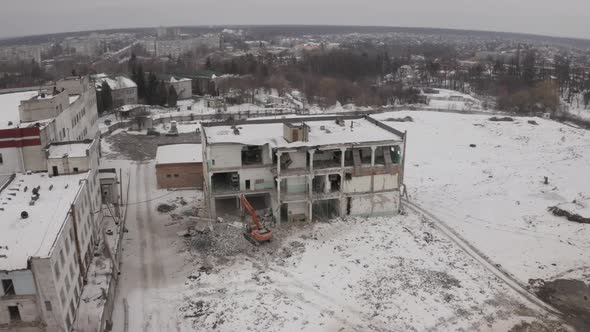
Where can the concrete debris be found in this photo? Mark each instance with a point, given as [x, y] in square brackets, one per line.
[165, 208]
[404, 119]
[502, 119]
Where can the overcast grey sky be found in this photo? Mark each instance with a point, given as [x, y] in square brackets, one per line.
[569, 18]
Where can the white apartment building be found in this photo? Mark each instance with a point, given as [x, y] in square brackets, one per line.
[182, 86]
[42, 118]
[305, 168]
[123, 89]
[50, 225]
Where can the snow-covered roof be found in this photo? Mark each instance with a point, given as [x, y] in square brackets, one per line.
[119, 82]
[179, 154]
[322, 132]
[34, 236]
[73, 98]
[9, 104]
[180, 79]
[74, 150]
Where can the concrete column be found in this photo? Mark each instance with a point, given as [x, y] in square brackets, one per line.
[278, 216]
[328, 186]
[373, 148]
[310, 176]
[278, 164]
[343, 157]
[310, 211]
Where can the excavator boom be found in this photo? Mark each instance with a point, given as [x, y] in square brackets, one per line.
[251, 211]
[256, 234]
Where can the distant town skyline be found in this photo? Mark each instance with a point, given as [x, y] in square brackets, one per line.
[566, 18]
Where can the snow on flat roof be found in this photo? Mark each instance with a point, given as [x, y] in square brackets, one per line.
[34, 236]
[74, 150]
[9, 104]
[322, 132]
[179, 154]
[73, 98]
[119, 82]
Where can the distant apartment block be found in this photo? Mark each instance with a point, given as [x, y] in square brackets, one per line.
[123, 89]
[310, 168]
[182, 86]
[25, 53]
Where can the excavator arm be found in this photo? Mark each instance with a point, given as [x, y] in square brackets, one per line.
[250, 210]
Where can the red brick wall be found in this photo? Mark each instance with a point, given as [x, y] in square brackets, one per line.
[189, 175]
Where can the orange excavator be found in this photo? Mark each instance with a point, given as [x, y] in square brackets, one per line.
[255, 232]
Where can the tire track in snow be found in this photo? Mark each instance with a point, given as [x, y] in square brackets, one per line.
[474, 253]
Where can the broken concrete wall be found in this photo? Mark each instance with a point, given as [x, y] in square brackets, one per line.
[385, 182]
[296, 185]
[298, 159]
[225, 156]
[297, 211]
[357, 184]
[373, 205]
[256, 179]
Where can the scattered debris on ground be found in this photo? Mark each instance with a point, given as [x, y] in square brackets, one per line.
[165, 208]
[533, 122]
[577, 211]
[140, 147]
[355, 274]
[571, 297]
[502, 119]
[404, 119]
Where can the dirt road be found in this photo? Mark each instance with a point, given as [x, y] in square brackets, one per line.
[151, 271]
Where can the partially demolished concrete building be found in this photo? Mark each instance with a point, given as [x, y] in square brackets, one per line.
[304, 169]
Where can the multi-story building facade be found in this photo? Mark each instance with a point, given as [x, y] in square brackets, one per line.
[42, 118]
[308, 168]
[50, 225]
[123, 89]
[182, 86]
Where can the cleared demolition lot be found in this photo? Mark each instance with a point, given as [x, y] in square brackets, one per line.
[486, 179]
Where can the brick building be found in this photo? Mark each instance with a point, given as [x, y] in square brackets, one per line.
[179, 166]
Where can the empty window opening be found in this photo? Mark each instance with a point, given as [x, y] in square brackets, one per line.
[365, 154]
[75, 169]
[396, 154]
[48, 306]
[326, 209]
[225, 182]
[348, 205]
[327, 159]
[14, 313]
[380, 156]
[251, 155]
[335, 182]
[247, 184]
[8, 286]
[348, 159]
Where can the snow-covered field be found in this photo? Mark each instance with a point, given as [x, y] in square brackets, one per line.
[381, 274]
[494, 194]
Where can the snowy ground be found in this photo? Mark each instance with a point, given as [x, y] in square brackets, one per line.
[494, 194]
[382, 274]
[154, 257]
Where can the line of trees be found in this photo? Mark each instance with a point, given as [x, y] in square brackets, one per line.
[151, 91]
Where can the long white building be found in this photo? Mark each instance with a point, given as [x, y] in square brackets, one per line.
[33, 120]
[309, 168]
[49, 225]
